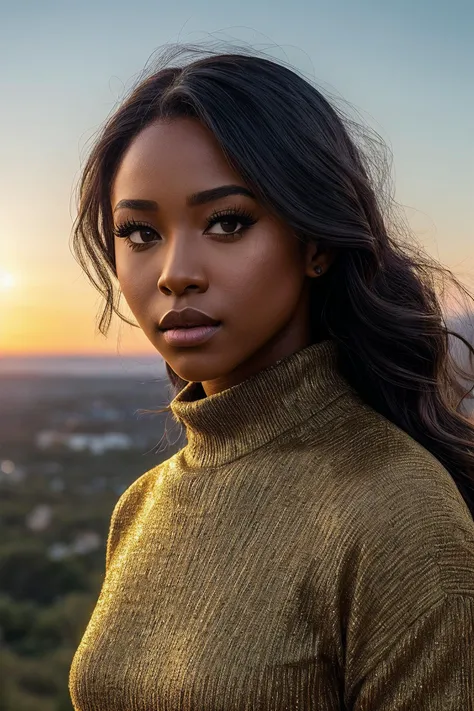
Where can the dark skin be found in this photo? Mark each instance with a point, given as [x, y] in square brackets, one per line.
[243, 268]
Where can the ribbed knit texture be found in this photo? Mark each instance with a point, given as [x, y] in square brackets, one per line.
[301, 553]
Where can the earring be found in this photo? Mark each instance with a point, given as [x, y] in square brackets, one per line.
[318, 270]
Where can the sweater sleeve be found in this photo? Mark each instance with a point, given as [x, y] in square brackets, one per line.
[429, 668]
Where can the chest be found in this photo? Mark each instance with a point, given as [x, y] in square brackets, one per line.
[209, 608]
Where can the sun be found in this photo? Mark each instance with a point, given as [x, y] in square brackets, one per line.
[7, 281]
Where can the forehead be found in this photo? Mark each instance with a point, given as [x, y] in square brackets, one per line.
[169, 158]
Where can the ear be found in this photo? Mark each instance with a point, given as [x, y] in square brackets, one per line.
[317, 261]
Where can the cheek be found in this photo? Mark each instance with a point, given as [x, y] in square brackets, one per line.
[267, 286]
[136, 283]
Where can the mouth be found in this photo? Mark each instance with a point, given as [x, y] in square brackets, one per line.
[186, 336]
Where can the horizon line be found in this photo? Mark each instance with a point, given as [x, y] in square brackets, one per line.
[76, 354]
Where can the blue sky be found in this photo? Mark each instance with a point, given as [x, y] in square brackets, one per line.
[406, 66]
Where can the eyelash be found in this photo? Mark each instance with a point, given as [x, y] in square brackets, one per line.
[125, 229]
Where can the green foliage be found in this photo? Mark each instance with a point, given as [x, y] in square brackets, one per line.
[28, 574]
[46, 596]
[32, 684]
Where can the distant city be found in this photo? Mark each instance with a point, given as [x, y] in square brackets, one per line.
[74, 365]
[74, 434]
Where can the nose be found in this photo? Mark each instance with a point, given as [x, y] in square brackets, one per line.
[180, 272]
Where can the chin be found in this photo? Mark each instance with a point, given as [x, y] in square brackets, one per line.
[199, 367]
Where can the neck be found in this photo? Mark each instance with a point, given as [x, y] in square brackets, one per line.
[226, 425]
[295, 338]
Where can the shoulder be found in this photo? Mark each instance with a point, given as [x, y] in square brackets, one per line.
[403, 497]
[389, 499]
[405, 535]
[131, 504]
[386, 475]
[402, 538]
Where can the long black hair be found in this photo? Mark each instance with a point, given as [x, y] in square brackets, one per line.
[297, 151]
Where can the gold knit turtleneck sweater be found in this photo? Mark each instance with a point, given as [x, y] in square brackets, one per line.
[301, 553]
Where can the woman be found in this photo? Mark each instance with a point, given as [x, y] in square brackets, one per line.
[312, 545]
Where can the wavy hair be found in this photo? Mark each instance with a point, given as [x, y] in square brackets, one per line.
[323, 174]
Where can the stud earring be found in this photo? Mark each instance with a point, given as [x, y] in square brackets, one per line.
[318, 270]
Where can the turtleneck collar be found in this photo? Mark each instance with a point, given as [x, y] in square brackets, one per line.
[229, 424]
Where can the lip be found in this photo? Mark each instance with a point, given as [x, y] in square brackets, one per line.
[186, 318]
[188, 337]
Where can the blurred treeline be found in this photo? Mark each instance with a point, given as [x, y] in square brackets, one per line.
[55, 508]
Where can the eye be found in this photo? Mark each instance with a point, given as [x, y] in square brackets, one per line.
[136, 234]
[142, 236]
[228, 225]
[229, 222]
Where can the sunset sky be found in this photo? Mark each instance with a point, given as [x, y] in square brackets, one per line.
[406, 66]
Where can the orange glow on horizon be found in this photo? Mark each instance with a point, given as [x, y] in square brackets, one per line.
[35, 320]
[45, 326]
[49, 338]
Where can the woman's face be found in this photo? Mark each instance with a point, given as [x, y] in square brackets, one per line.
[189, 233]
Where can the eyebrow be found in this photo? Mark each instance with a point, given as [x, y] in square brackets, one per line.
[193, 200]
[145, 205]
[215, 193]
